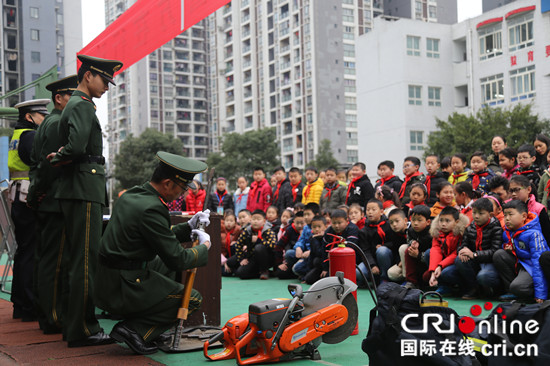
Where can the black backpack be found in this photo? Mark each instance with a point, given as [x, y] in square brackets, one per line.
[383, 343]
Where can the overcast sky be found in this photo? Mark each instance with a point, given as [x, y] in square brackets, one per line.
[93, 23]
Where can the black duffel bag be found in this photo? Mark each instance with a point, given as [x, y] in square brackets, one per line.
[385, 337]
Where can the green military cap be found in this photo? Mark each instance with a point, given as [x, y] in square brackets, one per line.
[184, 169]
[65, 85]
[105, 68]
[34, 105]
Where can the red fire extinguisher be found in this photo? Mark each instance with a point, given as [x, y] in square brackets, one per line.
[342, 258]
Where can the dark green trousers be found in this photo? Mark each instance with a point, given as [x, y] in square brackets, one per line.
[83, 227]
[152, 322]
[51, 231]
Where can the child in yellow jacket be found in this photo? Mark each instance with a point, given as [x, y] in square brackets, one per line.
[312, 191]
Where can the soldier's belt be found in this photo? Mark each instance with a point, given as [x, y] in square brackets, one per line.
[97, 159]
[120, 263]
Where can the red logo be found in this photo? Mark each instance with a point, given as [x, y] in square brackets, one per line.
[467, 324]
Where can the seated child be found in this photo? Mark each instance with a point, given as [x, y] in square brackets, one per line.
[527, 167]
[296, 185]
[385, 172]
[318, 258]
[518, 261]
[447, 230]
[479, 175]
[418, 196]
[399, 225]
[272, 216]
[372, 240]
[458, 165]
[296, 258]
[298, 206]
[286, 243]
[433, 179]
[244, 217]
[388, 197]
[286, 217]
[326, 214]
[500, 186]
[254, 249]
[360, 189]
[411, 165]
[482, 238]
[356, 216]
[446, 167]
[497, 208]
[230, 234]
[508, 161]
[521, 189]
[334, 193]
[445, 196]
[314, 187]
[340, 227]
[416, 252]
[465, 196]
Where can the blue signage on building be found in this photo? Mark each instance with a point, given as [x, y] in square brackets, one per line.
[544, 6]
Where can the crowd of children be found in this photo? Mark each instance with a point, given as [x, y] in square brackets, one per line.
[469, 226]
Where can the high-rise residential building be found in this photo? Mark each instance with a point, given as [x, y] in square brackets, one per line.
[288, 64]
[498, 59]
[165, 91]
[433, 11]
[37, 35]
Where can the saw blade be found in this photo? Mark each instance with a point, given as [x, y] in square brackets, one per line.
[342, 332]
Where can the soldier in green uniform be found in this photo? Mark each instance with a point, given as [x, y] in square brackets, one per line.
[140, 253]
[82, 195]
[31, 115]
[50, 227]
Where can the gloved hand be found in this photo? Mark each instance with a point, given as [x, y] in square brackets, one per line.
[203, 237]
[200, 217]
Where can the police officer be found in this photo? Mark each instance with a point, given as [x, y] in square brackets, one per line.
[82, 195]
[50, 227]
[140, 253]
[31, 115]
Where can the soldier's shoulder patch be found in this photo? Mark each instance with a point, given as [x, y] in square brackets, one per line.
[89, 100]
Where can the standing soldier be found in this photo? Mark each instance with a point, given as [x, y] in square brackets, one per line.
[31, 115]
[140, 253]
[50, 227]
[82, 195]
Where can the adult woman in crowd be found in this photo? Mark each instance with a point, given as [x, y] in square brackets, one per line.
[498, 143]
[541, 144]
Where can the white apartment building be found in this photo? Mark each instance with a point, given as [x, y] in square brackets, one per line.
[165, 91]
[424, 71]
[288, 64]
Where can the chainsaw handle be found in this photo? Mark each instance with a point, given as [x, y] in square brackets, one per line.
[284, 321]
[244, 341]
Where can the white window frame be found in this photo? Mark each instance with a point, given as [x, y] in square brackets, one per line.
[434, 96]
[492, 90]
[521, 32]
[413, 45]
[34, 12]
[35, 35]
[415, 95]
[432, 47]
[522, 83]
[493, 32]
[416, 140]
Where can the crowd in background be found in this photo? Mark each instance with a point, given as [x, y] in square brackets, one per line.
[469, 226]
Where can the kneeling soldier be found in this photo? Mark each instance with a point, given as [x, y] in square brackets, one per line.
[140, 252]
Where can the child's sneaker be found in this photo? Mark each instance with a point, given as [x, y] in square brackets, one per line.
[444, 291]
[471, 295]
[264, 275]
[508, 297]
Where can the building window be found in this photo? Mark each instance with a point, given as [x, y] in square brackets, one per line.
[351, 103]
[492, 89]
[413, 46]
[418, 12]
[520, 32]
[490, 42]
[349, 50]
[35, 56]
[59, 18]
[35, 35]
[351, 120]
[352, 138]
[522, 82]
[349, 32]
[432, 47]
[415, 95]
[434, 96]
[353, 156]
[417, 140]
[34, 12]
[35, 76]
[349, 68]
[432, 12]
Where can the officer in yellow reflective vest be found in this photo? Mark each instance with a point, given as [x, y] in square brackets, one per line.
[31, 115]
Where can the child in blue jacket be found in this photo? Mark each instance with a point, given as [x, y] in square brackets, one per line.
[518, 260]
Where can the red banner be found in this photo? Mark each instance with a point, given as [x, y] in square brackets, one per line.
[147, 25]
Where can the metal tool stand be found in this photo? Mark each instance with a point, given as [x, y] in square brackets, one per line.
[8, 245]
